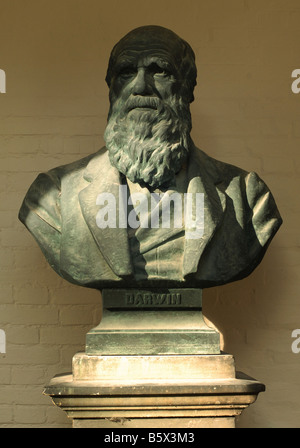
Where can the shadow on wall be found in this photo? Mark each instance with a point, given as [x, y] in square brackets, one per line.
[247, 313]
[239, 307]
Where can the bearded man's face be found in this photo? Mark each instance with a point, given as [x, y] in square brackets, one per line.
[149, 121]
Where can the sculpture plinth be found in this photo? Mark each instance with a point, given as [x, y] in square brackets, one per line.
[152, 321]
[210, 403]
[164, 369]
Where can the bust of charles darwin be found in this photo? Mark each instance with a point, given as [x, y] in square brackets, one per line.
[150, 209]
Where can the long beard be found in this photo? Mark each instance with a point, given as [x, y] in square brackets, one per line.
[148, 147]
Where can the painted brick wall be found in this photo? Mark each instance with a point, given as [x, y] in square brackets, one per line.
[54, 54]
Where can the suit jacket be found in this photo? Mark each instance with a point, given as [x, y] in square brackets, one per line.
[240, 219]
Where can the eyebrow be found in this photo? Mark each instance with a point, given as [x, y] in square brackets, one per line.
[124, 63]
[163, 63]
[131, 60]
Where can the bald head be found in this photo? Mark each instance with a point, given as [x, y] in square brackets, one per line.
[157, 41]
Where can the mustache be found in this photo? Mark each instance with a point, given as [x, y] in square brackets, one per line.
[138, 101]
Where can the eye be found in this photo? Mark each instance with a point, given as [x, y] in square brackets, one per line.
[157, 70]
[127, 72]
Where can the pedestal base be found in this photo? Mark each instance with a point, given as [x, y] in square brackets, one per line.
[206, 422]
[153, 368]
[188, 401]
[153, 362]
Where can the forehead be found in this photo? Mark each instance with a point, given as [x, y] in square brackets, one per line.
[153, 43]
[146, 56]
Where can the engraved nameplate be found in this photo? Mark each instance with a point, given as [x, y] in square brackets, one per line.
[152, 298]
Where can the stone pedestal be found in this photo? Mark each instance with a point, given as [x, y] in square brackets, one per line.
[151, 321]
[153, 363]
[212, 400]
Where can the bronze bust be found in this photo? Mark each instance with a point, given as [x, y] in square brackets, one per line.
[83, 215]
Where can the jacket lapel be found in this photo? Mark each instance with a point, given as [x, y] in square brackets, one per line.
[112, 242]
[203, 178]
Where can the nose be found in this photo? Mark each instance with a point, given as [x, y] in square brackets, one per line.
[142, 84]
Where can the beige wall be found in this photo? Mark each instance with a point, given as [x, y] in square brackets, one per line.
[54, 53]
